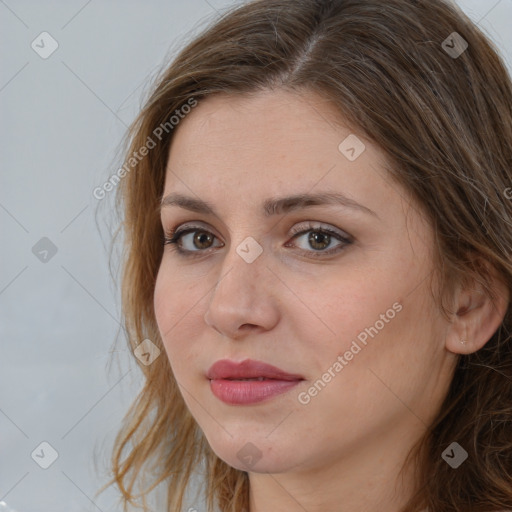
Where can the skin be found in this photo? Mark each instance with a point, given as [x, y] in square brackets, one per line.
[344, 449]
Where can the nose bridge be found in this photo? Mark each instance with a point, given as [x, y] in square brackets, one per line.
[242, 270]
[240, 295]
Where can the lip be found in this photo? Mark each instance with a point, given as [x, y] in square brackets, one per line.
[248, 369]
[224, 378]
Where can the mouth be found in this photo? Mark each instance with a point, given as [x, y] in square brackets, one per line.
[249, 382]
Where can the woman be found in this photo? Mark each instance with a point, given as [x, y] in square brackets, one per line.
[318, 241]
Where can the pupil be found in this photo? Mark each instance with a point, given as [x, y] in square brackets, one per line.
[200, 238]
[313, 239]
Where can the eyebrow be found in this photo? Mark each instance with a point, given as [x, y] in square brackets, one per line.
[272, 206]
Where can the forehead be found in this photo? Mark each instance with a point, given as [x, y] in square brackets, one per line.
[269, 130]
[247, 148]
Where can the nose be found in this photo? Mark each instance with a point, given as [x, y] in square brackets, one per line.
[243, 300]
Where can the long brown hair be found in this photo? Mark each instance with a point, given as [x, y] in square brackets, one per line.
[443, 114]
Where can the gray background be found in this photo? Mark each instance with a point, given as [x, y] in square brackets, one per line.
[62, 120]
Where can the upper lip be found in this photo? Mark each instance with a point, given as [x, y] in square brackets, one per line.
[248, 369]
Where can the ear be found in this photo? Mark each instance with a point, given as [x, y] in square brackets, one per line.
[476, 317]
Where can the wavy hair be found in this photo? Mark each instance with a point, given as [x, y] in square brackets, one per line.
[444, 121]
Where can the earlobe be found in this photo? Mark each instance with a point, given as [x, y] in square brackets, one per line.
[476, 316]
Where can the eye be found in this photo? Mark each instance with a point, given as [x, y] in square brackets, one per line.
[314, 245]
[195, 236]
[319, 239]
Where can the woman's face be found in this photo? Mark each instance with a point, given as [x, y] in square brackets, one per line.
[347, 309]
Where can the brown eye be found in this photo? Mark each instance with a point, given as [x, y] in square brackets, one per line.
[190, 240]
[202, 239]
[319, 241]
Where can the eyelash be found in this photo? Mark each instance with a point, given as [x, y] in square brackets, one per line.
[173, 236]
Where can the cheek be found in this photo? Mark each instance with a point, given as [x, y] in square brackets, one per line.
[177, 313]
[172, 298]
[163, 298]
[341, 308]
[168, 311]
[362, 317]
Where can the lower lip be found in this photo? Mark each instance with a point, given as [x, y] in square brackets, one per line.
[249, 392]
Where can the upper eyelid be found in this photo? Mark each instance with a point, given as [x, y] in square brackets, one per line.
[298, 229]
[306, 225]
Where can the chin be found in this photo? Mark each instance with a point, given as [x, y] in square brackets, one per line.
[263, 465]
[256, 456]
